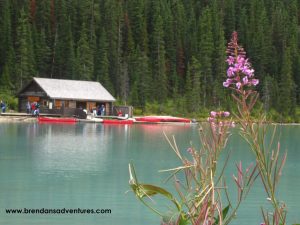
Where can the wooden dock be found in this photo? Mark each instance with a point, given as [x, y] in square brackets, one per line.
[17, 114]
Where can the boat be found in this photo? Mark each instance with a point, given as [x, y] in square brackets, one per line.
[57, 120]
[162, 119]
[108, 121]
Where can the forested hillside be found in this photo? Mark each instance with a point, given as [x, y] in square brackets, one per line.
[147, 51]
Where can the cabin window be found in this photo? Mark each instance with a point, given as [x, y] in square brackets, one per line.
[33, 99]
[91, 106]
[67, 103]
[45, 103]
[57, 104]
[72, 104]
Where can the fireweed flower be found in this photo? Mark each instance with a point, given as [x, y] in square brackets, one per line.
[240, 72]
[216, 121]
[230, 60]
[190, 150]
[213, 114]
[226, 114]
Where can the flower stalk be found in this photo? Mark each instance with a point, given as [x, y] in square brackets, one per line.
[269, 162]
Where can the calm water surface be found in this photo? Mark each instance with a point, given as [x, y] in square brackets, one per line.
[58, 166]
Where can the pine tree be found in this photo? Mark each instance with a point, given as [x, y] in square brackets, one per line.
[229, 17]
[193, 86]
[205, 55]
[269, 92]
[5, 29]
[293, 43]
[71, 58]
[84, 57]
[188, 91]
[42, 54]
[286, 96]
[180, 32]
[279, 36]
[243, 28]
[101, 65]
[137, 17]
[140, 89]
[5, 81]
[25, 55]
[63, 56]
[144, 80]
[157, 48]
[170, 41]
[191, 36]
[219, 56]
[7, 54]
[112, 20]
[259, 39]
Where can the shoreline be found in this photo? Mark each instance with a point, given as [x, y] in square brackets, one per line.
[8, 119]
[30, 119]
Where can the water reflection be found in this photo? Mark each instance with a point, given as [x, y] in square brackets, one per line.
[65, 150]
[62, 165]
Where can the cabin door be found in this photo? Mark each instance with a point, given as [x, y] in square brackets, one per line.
[81, 105]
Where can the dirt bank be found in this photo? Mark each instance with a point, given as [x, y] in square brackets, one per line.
[5, 119]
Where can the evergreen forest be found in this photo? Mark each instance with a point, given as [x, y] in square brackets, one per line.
[161, 56]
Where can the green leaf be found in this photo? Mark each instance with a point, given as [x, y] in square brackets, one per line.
[175, 218]
[224, 214]
[147, 190]
[183, 221]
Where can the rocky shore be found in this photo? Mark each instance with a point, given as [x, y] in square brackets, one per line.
[5, 119]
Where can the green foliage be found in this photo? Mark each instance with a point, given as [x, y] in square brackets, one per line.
[25, 52]
[85, 57]
[286, 86]
[142, 50]
[193, 86]
[10, 101]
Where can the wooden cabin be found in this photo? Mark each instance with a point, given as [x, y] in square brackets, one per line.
[64, 97]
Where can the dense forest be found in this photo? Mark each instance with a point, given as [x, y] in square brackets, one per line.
[159, 52]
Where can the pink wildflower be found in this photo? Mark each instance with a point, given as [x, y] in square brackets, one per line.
[210, 119]
[245, 80]
[231, 71]
[230, 60]
[190, 150]
[249, 72]
[255, 82]
[226, 114]
[241, 60]
[240, 72]
[226, 84]
[213, 114]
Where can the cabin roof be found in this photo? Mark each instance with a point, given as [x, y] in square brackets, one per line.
[73, 89]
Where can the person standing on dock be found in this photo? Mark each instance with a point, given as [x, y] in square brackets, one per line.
[32, 108]
[28, 107]
[37, 109]
[2, 106]
[102, 110]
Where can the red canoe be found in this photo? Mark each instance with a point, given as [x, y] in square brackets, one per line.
[118, 121]
[159, 119]
[57, 120]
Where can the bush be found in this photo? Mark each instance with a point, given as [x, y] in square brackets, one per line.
[10, 100]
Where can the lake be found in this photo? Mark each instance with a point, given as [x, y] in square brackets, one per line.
[57, 166]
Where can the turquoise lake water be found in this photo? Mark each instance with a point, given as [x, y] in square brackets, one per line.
[56, 166]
